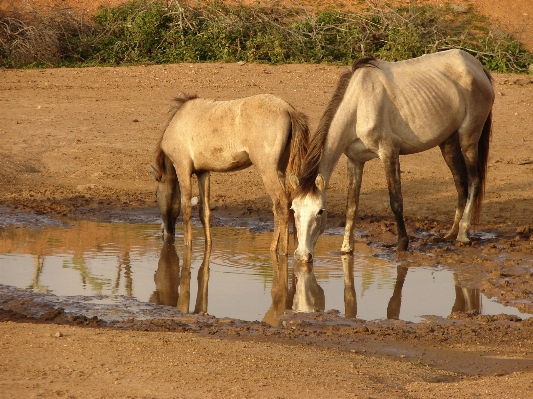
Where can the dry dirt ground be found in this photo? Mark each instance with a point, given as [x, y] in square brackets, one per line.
[78, 143]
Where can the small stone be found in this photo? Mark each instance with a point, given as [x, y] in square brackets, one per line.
[58, 334]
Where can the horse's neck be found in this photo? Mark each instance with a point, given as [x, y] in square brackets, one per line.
[337, 141]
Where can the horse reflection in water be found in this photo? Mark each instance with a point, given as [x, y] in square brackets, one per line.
[308, 295]
[466, 299]
[305, 294]
[281, 297]
[173, 286]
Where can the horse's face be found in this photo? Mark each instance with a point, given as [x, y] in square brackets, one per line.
[308, 295]
[169, 200]
[310, 220]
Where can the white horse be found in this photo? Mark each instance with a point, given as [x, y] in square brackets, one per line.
[387, 109]
[224, 136]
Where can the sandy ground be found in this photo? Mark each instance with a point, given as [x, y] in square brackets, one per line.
[78, 143]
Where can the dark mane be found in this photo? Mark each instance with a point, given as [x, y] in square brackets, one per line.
[159, 154]
[312, 160]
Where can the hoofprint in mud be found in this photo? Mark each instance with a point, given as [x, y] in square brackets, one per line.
[384, 110]
[207, 136]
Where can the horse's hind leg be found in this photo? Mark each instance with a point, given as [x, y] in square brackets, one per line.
[391, 163]
[474, 182]
[203, 204]
[186, 194]
[451, 151]
[355, 175]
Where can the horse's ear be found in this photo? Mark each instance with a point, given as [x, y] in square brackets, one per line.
[155, 173]
[293, 180]
[320, 182]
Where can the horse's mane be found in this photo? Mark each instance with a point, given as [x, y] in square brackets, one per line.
[312, 160]
[160, 156]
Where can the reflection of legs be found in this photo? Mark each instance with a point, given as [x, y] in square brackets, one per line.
[205, 212]
[451, 151]
[466, 299]
[279, 291]
[355, 175]
[184, 297]
[350, 299]
[203, 282]
[459, 304]
[395, 302]
[391, 164]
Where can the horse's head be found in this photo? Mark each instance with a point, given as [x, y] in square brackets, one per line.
[309, 216]
[308, 295]
[168, 198]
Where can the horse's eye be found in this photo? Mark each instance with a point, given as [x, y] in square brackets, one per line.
[320, 212]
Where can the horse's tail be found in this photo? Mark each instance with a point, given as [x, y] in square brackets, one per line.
[483, 158]
[299, 145]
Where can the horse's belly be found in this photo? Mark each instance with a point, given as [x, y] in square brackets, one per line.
[413, 143]
[217, 161]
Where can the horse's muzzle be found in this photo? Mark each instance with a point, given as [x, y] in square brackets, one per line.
[306, 257]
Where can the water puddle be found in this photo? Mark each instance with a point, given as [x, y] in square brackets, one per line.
[129, 267]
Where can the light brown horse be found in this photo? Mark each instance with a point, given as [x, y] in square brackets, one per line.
[387, 109]
[223, 136]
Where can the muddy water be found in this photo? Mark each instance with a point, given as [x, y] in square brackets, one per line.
[128, 265]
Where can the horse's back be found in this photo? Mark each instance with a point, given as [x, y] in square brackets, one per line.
[423, 100]
[227, 135]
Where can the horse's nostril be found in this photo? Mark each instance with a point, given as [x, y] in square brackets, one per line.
[309, 257]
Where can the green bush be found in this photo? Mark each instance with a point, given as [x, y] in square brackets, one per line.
[171, 31]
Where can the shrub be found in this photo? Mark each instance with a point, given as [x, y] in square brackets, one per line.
[156, 31]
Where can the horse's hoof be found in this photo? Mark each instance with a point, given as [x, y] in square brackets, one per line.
[402, 245]
[463, 239]
[450, 236]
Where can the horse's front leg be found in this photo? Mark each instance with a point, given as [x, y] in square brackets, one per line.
[391, 163]
[280, 207]
[280, 239]
[355, 175]
[205, 212]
